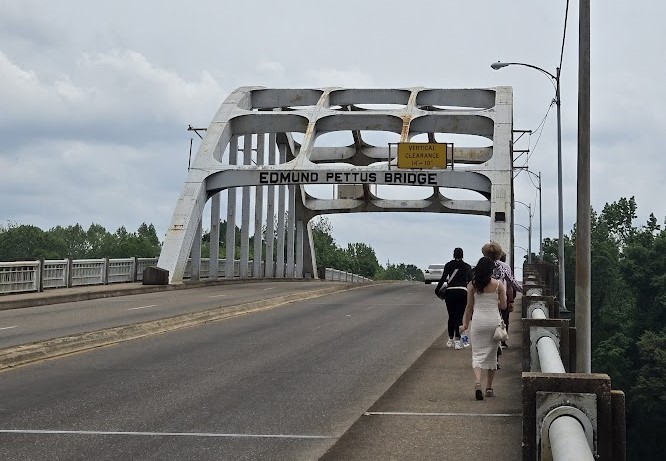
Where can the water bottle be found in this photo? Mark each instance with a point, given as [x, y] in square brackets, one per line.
[464, 338]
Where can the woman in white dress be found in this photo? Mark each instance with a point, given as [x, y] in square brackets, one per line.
[484, 294]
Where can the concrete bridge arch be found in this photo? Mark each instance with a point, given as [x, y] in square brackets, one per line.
[267, 121]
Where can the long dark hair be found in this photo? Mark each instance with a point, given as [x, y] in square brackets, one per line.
[483, 272]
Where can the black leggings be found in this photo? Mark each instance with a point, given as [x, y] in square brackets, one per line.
[456, 300]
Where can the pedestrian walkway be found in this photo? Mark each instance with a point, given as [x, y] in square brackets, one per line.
[431, 413]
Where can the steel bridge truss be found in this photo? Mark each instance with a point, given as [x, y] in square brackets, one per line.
[276, 131]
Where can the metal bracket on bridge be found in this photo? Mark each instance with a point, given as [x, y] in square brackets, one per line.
[552, 405]
[536, 385]
[528, 305]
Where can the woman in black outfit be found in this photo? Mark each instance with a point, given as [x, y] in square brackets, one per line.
[457, 274]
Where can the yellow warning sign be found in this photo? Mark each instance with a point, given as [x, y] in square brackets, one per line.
[421, 155]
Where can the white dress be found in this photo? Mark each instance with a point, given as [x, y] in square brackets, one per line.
[485, 319]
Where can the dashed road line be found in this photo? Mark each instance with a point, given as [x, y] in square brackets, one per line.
[142, 307]
[217, 296]
[8, 328]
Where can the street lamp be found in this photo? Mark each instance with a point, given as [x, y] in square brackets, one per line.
[540, 213]
[560, 247]
[529, 230]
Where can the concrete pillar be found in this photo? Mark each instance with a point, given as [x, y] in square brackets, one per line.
[291, 230]
[214, 236]
[245, 213]
[300, 230]
[258, 213]
[270, 215]
[279, 264]
[231, 215]
[196, 254]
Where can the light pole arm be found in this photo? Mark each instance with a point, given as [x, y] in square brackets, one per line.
[499, 65]
[555, 79]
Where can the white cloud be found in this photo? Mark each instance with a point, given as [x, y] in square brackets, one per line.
[111, 95]
[350, 78]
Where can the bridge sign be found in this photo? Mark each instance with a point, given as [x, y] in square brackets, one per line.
[422, 155]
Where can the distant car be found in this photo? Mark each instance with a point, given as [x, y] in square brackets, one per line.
[433, 273]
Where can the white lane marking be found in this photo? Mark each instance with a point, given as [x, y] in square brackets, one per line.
[8, 328]
[216, 296]
[269, 288]
[142, 307]
[166, 434]
[407, 413]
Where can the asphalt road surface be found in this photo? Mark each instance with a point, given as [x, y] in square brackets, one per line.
[281, 384]
[21, 326]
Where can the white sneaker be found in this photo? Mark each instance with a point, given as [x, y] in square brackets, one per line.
[449, 343]
[457, 346]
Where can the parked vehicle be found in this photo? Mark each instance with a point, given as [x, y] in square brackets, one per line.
[433, 273]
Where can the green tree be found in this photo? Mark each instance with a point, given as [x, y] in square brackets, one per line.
[400, 272]
[99, 240]
[363, 259]
[647, 401]
[66, 242]
[22, 243]
[148, 244]
[324, 244]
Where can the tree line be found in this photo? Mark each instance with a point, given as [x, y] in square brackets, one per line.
[628, 309]
[20, 242]
[358, 258]
[29, 243]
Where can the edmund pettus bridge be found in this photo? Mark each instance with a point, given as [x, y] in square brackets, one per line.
[268, 358]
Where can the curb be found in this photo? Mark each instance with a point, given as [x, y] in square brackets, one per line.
[24, 354]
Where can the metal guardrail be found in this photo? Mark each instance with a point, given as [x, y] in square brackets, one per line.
[31, 276]
[566, 415]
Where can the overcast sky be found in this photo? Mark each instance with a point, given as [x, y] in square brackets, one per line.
[96, 97]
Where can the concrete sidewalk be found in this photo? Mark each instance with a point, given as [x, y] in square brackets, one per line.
[431, 413]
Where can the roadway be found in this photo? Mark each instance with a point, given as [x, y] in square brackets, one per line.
[283, 383]
[21, 326]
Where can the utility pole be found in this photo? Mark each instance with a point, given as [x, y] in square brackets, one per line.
[583, 222]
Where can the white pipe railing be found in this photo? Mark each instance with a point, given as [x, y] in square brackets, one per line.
[568, 441]
[549, 356]
[567, 436]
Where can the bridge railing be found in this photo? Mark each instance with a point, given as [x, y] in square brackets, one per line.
[566, 415]
[31, 276]
[344, 276]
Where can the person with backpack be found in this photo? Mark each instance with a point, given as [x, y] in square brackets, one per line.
[510, 297]
[452, 288]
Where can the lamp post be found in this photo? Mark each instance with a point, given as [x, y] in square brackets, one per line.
[529, 231]
[540, 214]
[560, 247]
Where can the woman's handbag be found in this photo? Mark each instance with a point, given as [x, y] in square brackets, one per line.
[500, 332]
[440, 293]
